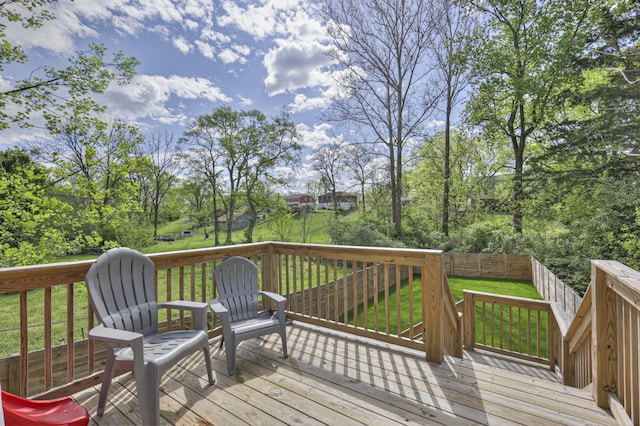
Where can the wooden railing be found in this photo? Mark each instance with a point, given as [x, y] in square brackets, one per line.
[359, 290]
[518, 327]
[601, 346]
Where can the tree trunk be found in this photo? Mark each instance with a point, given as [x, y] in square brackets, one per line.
[447, 165]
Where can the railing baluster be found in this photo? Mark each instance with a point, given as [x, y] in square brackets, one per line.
[310, 284]
[48, 368]
[345, 293]
[365, 295]
[71, 352]
[354, 272]
[398, 310]
[294, 269]
[335, 290]
[303, 287]
[386, 298]
[181, 296]
[376, 303]
[24, 344]
[317, 289]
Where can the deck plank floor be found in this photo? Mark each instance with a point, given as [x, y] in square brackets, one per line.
[332, 378]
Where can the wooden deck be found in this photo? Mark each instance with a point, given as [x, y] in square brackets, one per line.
[338, 379]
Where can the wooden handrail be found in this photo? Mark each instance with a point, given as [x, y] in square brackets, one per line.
[615, 317]
[497, 333]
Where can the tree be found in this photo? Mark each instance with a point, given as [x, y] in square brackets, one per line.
[55, 93]
[469, 179]
[591, 152]
[32, 219]
[360, 166]
[522, 63]
[93, 164]
[206, 156]
[314, 188]
[241, 149]
[281, 224]
[452, 40]
[329, 161]
[383, 46]
[274, 143]
[161, 150]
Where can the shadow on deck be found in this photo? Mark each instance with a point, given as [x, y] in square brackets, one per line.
[334, 378]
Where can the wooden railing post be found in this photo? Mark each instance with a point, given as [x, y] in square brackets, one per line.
[469, 318]
[270, 272]
[603, 335]
[432, 307]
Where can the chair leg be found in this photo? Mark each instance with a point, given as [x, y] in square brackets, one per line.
[106, 380]
[283, 337]
[230, 349]
[148, 389]
[207, 360]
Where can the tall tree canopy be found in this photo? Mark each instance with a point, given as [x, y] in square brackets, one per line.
[523, 61]
[239, 152]
[383, 48]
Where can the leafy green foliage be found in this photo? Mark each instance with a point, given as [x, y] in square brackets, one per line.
[28, 212]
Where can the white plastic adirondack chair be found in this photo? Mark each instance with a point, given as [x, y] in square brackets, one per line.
[122, 293]
[237, 305]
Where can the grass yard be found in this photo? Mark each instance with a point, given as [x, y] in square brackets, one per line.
[524, 323]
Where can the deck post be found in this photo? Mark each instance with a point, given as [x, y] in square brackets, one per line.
[270, 273]
[603, 337]
[433, 307]
[469, 319]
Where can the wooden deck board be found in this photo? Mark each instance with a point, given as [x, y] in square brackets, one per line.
[334, 378]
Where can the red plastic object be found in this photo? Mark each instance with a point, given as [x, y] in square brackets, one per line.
[61, 411]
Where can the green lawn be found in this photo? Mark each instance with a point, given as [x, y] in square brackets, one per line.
[519, 321]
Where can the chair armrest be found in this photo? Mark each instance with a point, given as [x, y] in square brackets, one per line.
[121, 338]
[275, 297]
[219, 309]
[115, 336]
[198, 310]
[280, 302]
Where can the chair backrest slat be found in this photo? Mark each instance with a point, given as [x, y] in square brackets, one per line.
[119, 303]
[237, 284]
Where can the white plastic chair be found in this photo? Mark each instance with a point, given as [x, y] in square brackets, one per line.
[122, 293]
[237, 306]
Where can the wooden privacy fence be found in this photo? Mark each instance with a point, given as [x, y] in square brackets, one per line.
[505, 266]
[553, 289]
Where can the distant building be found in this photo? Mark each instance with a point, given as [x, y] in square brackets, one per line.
[298, 202]
[240, 220]
[343, 201]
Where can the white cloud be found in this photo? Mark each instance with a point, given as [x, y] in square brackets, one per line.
[182, 44]
[295, 64]
[147, 97]
[205, 49]
[229, 56]
[245, 101]
[317, 136]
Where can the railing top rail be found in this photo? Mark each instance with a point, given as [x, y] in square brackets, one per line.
[32, 277]
[510, 300]
[40, 276]
[622, 279]
[583, 311]
[177, 258]
[401, 256]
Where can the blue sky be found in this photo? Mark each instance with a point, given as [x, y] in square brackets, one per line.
[195, 55]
